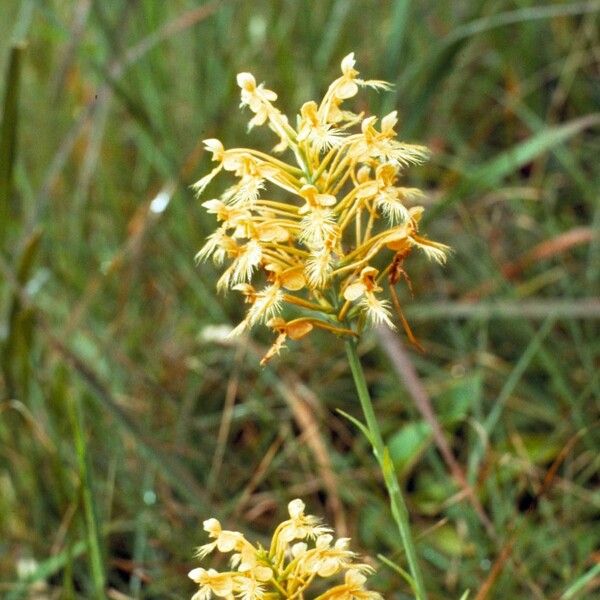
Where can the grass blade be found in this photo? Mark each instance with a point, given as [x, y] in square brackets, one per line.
[15, 347]
[8, 134]
[581, 582]
[400, 17]
[492, 173]
[46, 569]
[89, 508]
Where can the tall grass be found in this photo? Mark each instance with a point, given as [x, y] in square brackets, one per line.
[105, 317]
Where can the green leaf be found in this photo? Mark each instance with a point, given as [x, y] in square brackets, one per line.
[357, 423]
[408, 444]
[454, 401]
[396, 567]
[447, 540]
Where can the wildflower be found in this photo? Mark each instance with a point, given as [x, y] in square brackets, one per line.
[225, 541]
[257, 98]
[381, 145]
[265, 304]
[317, 131]
[294, 330]
[287, 568]
[327, 559]
[212, 582]
[300, 526]
[346, 87]
[389, 198]
[319, 223]
[351, 589]
[365, 289]
[299, 235]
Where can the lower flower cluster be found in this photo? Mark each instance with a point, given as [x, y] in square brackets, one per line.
[302, 556]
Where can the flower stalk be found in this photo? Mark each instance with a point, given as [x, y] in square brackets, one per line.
[397, 503]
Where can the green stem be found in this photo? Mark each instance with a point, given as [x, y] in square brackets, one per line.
[397, 503]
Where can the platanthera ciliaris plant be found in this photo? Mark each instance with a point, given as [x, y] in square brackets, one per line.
[311, 232]
[302, 560]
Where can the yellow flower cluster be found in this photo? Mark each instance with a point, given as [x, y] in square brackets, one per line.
[302, 554]
[311, 231]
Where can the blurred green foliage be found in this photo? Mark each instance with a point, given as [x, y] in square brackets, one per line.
[123, 426]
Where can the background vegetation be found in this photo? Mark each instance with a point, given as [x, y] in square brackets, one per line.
[124, 422]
